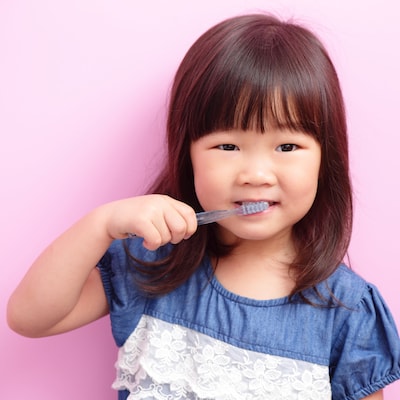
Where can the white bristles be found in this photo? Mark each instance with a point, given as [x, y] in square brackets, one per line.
[253, 207]
[247, 208]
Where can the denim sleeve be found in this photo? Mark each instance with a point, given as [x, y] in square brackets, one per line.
[366, 355]
[126, 300]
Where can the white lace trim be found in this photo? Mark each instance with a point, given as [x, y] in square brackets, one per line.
[168, 362]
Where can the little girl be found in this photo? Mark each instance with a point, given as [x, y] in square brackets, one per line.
[254, 306]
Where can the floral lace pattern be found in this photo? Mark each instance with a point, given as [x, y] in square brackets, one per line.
[164, 361]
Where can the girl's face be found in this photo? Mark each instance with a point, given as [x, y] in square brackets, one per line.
[279, 166]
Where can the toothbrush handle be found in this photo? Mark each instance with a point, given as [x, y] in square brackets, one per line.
[206, 217]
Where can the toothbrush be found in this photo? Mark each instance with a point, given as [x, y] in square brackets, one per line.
[246, 208]
[207, 217]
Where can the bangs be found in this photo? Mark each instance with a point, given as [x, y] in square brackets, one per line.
[264, 101]
[251, 111]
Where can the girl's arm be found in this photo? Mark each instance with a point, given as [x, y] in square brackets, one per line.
[62, 290]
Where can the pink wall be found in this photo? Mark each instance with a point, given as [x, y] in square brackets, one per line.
[83, 89]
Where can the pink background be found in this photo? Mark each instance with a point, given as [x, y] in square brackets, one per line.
[83, 87]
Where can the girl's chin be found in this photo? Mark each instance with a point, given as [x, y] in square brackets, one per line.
[235, 235]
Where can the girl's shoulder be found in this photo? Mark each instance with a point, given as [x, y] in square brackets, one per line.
[117, 264]
[346, 287]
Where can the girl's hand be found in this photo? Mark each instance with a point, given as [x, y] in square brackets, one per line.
[158, 219]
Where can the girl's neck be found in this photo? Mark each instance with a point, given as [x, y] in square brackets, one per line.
[257, 269]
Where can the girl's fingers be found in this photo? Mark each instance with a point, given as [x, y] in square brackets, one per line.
[153, 239]
[182, 224]
[164, 220]
[155, 233]
[178, 228]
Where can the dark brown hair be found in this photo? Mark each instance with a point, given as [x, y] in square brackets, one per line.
[245, 73]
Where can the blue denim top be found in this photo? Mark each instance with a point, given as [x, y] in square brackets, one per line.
[358, 342]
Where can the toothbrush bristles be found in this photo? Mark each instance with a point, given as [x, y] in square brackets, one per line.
[246, 208]
[253, 207]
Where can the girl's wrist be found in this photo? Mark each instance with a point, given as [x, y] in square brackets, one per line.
[108, 222]
[99, 222]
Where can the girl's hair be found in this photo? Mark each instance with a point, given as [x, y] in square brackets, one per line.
[255, 72]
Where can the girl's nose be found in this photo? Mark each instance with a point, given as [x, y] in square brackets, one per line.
[257, 171]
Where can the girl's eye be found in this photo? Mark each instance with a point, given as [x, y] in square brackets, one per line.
[228, 147]
[287, 147]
